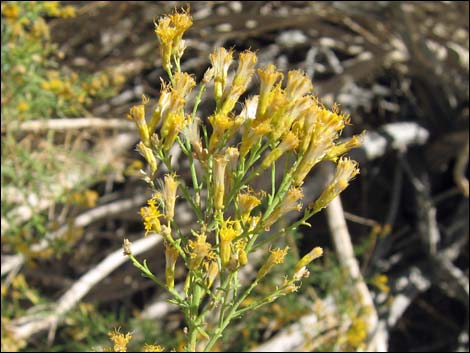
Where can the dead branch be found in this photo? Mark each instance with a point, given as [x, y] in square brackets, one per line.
[459, 170]
[70, 124]
[347, 260]
[25, 327]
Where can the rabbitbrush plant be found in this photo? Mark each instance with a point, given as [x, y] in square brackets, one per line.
[233, 219]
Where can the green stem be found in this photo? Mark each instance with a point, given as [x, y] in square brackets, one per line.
[149, 274]
[229, 317]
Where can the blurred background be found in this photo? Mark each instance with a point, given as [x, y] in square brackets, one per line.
[71, 191]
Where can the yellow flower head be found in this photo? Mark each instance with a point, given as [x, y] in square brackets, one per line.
[242, 255]
[169, 195]
[68, 12]
[246, 63]
[343, 147]
[346, 170]
[170, 30]
[268, 76]
[172, 126]
[10, 11]
[120, 340]
[221, 60]
[220, 163]
[275, 258]
[228, 231]
[147, 153]
[22, 107]
[315, 253]
[212, 270]
[151, 216]
[184, 83]
[137, 114]
[289, 203]
[199, 249]
[298, 84]
[246, 203]
[252, 135]
[152, 348]
[288, 143]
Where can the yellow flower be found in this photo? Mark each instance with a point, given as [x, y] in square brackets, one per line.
[220, 124]
[220, 162]
[137, 114]
[10, 11]
[22, 107]
[172, 126]
[212, 270]
[199, 250]
[245, 70]
[151, 216]
[289, 203]
[221, 60]
[165, 33]
[52, 8]
[242, 255]
[227, 233]
[246, 63]
[184, 83]
[67, 12]
[252, 134]
[246, 203]
[275, 258]
[357, 333]
[170, 30]
[152, 348]
[169, 196]
[289, 142]
[268, 76]
[346, 170]
[315, 253]
[40, 29]
[381, 282]
[298, 84]
[120, 340]
[343, 147]
[327, 126]
[147, 153]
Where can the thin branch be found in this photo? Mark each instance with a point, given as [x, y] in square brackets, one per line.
[347, 260]
[93, 277]
[460, 168]
[83, 220]
[70, 124]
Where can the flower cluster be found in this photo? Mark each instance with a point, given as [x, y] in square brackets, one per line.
[283, 121]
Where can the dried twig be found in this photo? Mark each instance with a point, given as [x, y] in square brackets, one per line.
[82, 220]
[70, 124]
[25, 327]
[345, 253]
[460, 167]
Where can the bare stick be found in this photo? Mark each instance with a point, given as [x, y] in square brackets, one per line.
[34, 324]
[83, 220]
[459, 169]
[70, 124]
[345, 253]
